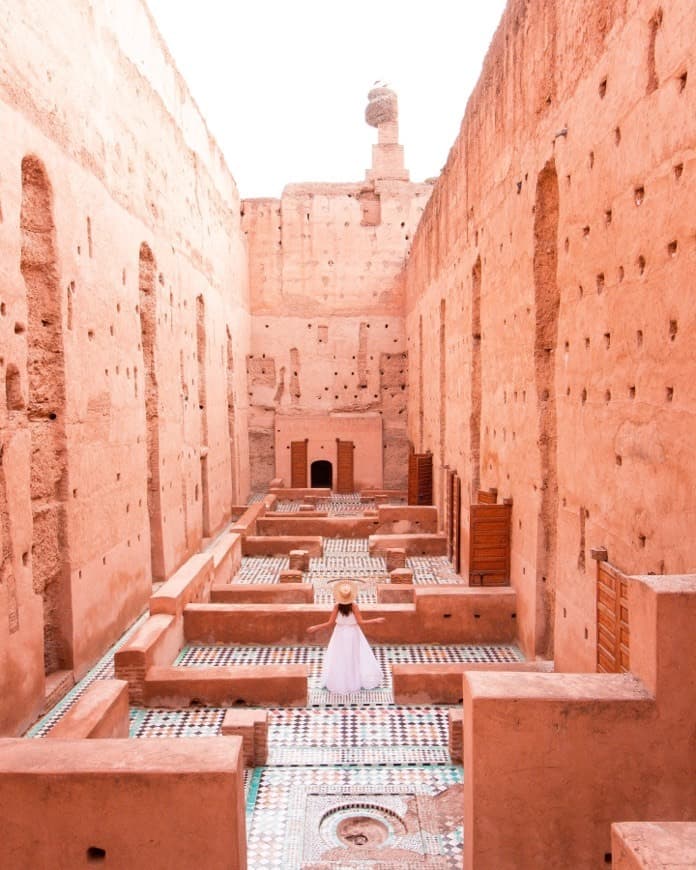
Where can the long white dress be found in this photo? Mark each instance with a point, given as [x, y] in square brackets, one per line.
[349, 663]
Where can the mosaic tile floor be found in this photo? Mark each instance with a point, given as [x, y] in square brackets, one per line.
[342, 754]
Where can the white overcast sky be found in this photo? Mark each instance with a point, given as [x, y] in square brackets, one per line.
[283, 84]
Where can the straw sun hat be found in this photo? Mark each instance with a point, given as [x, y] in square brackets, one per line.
[345, 591]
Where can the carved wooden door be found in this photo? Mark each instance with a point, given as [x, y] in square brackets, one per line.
[344, 466]
[420, 478]
[612, 620]
[489, 545]
[298, 464]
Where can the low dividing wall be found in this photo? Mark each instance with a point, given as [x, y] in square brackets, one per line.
[158, 641]
[443, 684]
[102, 711]
[552, 760]
[653, 845]
[136, 804]
[326, 527]
[406, 520]
[278, 545]
[414, 545]
[272, 593]
[252, 685]
[442, 614]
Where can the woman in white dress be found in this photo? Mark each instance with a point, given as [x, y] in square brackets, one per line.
[349, 663]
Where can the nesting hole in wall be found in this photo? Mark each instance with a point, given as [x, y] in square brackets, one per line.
[583, 395]
[607, 216]
[642, 540]
[95, 854]
[607, 396]
[669, 394]
[632, 392]
[639, 337]
[619, 460]
[673, 329]
[672, 248]
[621, 273]
[602, 88]
[19, 328]
[585, 231]
[617, 135]
[600, 282]
[678, 171]
[641, 264]
[682, 81]
[607, 340]
[639, 195]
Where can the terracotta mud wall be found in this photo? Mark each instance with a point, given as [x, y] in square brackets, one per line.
[124, 331]
[327, 309]
[549, 285]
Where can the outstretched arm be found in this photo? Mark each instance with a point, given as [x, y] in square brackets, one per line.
[359, 617]
[329, 624]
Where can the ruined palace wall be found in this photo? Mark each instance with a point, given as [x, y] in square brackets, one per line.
[561, 241]
[327, 312]
[121, 262]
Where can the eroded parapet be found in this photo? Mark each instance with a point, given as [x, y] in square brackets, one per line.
[102, 711]
[584, 750]
[653, 845]
[139, 804]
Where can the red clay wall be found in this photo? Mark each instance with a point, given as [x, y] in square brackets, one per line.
[327, 306]
[124, 296]
[549, 290]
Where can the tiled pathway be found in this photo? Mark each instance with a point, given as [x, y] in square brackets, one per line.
[341, 755]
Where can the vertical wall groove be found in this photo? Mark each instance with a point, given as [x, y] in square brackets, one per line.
[443, 406]
[46, 413]
[547, 304]
[231, 422]
[148, 331]
[7, 568]
[420, 384]
[201, 350]
[475, 418]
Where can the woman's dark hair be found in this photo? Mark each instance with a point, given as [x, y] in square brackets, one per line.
[345, 609]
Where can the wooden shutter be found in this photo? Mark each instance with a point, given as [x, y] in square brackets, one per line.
[612, 620]
[298, 464]
[425, 478]
[344, 466]
[487, 496]
[449, 515]
[489, 545]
